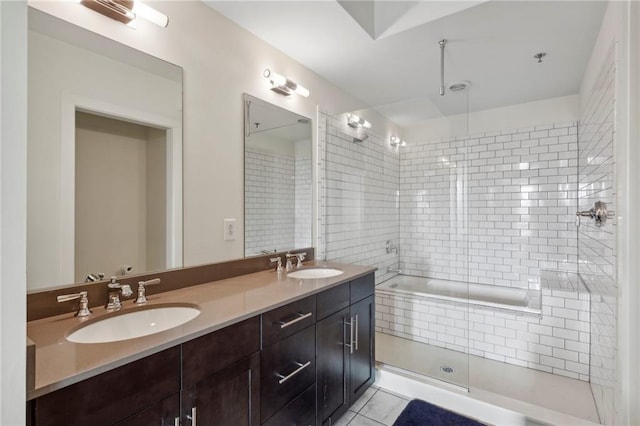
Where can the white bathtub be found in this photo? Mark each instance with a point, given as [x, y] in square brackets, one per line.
[509, 298]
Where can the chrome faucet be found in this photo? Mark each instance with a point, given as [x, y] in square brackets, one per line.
[279, 260]
[91, 278]
[142, 297]
[290, 256]
[114, 302]
[289, 265]
[83, 306]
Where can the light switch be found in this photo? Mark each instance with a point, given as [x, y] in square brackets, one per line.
[229, 229]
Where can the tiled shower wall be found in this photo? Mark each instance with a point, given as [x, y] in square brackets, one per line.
[597, 244]
[303, 191]
[518, 187]
[358, 197]
[275, 214]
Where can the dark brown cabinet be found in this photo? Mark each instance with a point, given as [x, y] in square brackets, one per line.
[164, 413]
[333, 364]
[116, 395]
[221, 377]
[301, 364]
[228, 397]
[362, 360]
[346, 350]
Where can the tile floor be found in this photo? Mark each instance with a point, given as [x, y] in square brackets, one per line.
[375, 408]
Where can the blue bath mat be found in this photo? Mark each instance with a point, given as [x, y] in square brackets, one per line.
[420, 413]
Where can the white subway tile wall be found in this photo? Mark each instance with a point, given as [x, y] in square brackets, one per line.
[494, 209]
[275, 209]
[359, 185]
[491, 209]
[303, 203]
[596, 245]
[556, 342]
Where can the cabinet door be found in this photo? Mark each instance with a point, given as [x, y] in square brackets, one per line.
[333, 365]
[230, 397]
[362, 365]
[112, 396]
[164, 413]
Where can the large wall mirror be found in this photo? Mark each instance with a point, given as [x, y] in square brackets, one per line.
[277, 178]
[104, 180]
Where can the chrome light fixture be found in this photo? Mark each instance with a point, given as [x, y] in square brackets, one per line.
[356, 121]
[126, 11]
[396, 141]
[283, 85]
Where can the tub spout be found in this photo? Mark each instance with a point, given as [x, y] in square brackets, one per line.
[391, 270]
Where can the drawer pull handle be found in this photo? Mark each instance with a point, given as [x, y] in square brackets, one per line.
[296, 371]
[350, 324]
[356, 332]
[300, 317]
[193, 416]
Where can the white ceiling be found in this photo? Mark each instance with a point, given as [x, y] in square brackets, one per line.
[387, 54]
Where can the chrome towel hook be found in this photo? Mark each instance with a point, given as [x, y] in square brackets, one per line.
[599, 213]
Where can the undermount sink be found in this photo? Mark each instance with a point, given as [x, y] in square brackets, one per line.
[314, 273]
[135, 323]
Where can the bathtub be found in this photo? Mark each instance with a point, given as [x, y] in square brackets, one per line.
[499, 297]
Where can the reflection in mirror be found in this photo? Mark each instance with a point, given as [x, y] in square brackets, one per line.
[131, 231]
[277, 178]
[104, 180]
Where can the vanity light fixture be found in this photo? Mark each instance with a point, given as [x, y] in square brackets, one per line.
[356, 121]
[126, 11]
[283, 85]
[396, 141]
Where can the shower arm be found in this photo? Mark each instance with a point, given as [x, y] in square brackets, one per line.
[442, 43]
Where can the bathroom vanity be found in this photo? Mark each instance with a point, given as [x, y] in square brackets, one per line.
[266, 349]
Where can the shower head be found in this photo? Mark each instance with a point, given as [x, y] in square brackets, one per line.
[458, 86]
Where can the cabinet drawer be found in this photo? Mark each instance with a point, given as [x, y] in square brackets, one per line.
[287, 320]
[362, 287]
[300, 412]
[332, 300]
[208, 354]
[287, 368]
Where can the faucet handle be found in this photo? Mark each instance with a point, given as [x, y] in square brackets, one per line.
[83, 307]
[279, 260]
[301, 257]
[142, 297]
[124, 288]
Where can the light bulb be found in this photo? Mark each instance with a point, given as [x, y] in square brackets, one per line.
[275, 78]
[302, 91]
[150, 14]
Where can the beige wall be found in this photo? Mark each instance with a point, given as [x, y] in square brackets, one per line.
[221, 61]
[118, 220]
[156, 244]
